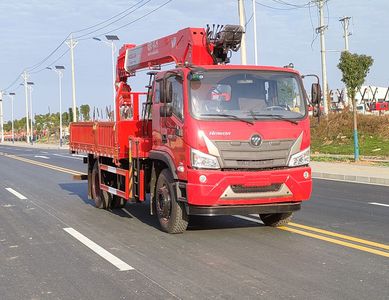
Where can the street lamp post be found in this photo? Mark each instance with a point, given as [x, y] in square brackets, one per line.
[12, 95]
[111, 39]
[29, 85]
[59, 70]
[25, 77]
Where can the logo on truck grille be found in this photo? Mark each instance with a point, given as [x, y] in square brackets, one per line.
[255, 140]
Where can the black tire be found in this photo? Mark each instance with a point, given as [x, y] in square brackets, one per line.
[117, 202]
[276, 220]
[102, 198]
[171, 213]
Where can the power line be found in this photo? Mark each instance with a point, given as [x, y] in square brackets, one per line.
[272, 7]
[141, 17]
[115, 21]
[105, 21]
[291, 6]
[13, 82]
[37, 65]
[52, 63]
[32, 68]
[314, 33]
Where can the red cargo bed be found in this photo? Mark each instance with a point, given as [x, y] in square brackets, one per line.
[111, 139]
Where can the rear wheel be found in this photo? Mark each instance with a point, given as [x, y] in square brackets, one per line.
[102, 198]
[171, 213]
[118, 202]
[276, 220]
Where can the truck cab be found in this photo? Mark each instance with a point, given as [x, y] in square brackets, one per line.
[236, 136]
[213, 138]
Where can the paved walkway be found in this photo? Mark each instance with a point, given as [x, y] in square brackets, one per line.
[351, 172]
[35, 145]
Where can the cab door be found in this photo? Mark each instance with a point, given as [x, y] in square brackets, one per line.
[174, 123]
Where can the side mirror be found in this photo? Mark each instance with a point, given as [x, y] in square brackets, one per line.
[316, 112]
[165, 111]
[315, 93]
[167, 95]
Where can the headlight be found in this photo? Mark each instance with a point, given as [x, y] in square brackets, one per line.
[300, 158]
[203, 161]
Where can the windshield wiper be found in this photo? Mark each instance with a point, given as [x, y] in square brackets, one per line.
[279, 117]
[227, 116]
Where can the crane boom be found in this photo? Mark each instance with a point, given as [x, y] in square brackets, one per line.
[191, 46]
[188, 45]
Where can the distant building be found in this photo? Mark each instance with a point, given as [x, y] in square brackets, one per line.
[366, 94]
[369, 93]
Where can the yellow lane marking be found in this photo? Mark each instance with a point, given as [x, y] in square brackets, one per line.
[335, 241]
[342, 236]
[297, 231]
[45, 165]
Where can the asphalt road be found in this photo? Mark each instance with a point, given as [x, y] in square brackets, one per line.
[55, 245]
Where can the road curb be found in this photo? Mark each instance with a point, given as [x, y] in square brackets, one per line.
[36, 146]
[351, 178]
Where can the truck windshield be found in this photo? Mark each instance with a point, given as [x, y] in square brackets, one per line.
[250, 95]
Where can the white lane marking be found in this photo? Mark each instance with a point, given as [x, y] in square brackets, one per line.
[44, 152]
[248, 219]
[17, 194]
[348, 181]
[380, 204]
[123, 209]
[79, 155]
[121, 265]
[42, 156]
[66, 156]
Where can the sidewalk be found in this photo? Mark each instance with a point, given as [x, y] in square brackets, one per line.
[35, 145]
[350, 172]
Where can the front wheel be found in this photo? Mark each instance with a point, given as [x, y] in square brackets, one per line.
[171, 213]
[276, 220]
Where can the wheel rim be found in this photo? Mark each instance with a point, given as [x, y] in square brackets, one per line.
[164, 202]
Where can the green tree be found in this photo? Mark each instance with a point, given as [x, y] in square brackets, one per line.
[8, 126]
[85, 112]
[354, 68]
[71, 114]
[65, 118]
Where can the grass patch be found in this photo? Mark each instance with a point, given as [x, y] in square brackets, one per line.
[335, 135]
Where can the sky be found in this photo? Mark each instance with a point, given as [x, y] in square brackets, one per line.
[31, 29]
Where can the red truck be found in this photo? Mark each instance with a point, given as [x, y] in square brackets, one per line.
[212, 138]
[380, 106]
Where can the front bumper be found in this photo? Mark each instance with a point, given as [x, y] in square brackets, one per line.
[242, 209]
[234, 188]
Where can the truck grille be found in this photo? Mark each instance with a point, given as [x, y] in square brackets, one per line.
[242, 155]
[240, 189]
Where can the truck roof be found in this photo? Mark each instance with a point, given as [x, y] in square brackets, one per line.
[250, 67]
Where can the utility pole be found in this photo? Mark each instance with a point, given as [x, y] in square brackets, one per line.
[345, 23]
[59, 71]
[321, 29]
[31, 116]
[1, 117]
[71, 44]
[25, 76]
[242, 22]
[113, 49]
[255, 33]
[12, 95]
